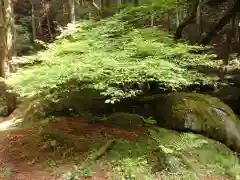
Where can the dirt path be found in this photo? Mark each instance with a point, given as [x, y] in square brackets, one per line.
[22, 156]
[17, 158]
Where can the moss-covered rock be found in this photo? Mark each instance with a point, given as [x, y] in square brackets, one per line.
[168, 154]
[199, 113]
[7, 99]
[62, 103]
[189, 155]
[124, 121]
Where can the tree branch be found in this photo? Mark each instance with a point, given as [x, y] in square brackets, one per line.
[190, 18]
[221, 23]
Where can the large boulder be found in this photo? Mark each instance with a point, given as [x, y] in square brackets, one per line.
[166, 154]
[181, 155]
[199, 113]
[125, 121]
[8, 99]
[73, 102]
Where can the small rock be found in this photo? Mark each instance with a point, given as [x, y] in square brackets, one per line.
[124, 121]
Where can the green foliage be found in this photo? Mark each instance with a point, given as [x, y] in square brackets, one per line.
[23, 37]
[150, 121]
[110, 54]
[181, 155]
[77, 173]
[211, 158]
[5, 172]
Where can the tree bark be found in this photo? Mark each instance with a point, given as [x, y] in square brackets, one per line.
[199, 18]
[177, 15]
[72, 11]
[238, 27]
[190, 18]
[230, 36]
[94, 9]
[221, 23]
[49, 28]
[135, 2]
[7, 36]
[34, 34]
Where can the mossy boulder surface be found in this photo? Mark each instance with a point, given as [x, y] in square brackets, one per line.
[125, 121]
[64, 103]
[167, 154]
[7, 99]
[199, 113]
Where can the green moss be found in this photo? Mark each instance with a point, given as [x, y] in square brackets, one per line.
[199, 155]
[194, 109]
[124, 121]
[200, 114]
[3, 106]
[199, 103]
[7, 99]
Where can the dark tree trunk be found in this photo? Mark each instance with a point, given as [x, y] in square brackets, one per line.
[135, 2]
[221, 23]
[190, 18]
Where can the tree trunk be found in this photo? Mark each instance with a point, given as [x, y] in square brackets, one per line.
[95, 11]
[119, 2]
[230, 37]
[177, 15]
[108, 3]
[190, 18]
[135, 2]
[3, 47]
[7, 36]
[199, 20]
[49, 28]
[221, 23]
[34, 34]
[152, 19]
[72, 11]
[101, 5]
[169, 21]
[238, 28]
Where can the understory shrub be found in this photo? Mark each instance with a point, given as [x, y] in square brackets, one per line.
[110, 54]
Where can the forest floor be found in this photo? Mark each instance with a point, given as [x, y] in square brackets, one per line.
[57, 146]
[24, 155]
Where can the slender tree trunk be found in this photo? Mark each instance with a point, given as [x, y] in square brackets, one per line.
[108, 3]
[95, 11]
[221, 23]
[135, 2]
[34, 34]
[119, 2]
[199, 19]
[238, 28]
[101, 5]
[3, 47]
[49, 28]
[169, 21]
[72, 11]
[190, 18]
[152, 19]
[7, 36]
[177, 15]
[40, 26]
[230, 36]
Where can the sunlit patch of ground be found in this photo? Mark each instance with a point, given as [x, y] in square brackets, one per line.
[9, 124]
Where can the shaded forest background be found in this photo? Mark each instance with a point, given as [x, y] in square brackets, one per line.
[43, 20]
